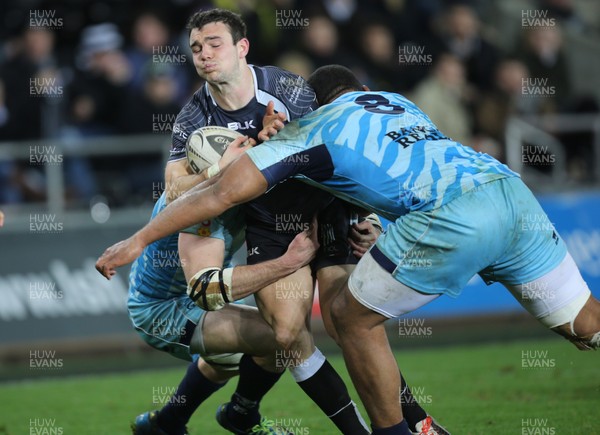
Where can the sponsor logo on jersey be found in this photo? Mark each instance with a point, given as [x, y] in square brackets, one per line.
[409, 136]
[179, 130]
[246, 125]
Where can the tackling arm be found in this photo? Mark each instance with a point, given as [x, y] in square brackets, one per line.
[180, 178]
[239, 182]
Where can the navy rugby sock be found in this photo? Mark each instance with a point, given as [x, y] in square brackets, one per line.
[253, 383]
[398, 429]
[325, 387]
[193, 389]
[412, 411]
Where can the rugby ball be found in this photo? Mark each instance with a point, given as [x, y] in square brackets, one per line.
[224, 361]
[206, 145]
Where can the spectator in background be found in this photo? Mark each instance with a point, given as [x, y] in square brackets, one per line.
[31, 110]
[96, 96]
[157, 102]
[152, 43]
[564, 11]
[505, 99]
[379, 58]
[340, 11]
[461, 35]
[445, 96]
[33, 61]
[10, 191]
[151, 112]
[545, 59]
[296, 63]
[320, 41]
[99, 88]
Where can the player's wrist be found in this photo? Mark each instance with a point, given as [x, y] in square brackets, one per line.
[142, 238]
[213, 170]
[375, 221]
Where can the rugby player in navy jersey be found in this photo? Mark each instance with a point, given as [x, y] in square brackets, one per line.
[464, 211]
[236, 95]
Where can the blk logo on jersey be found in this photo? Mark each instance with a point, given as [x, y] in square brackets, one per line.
[246, 125]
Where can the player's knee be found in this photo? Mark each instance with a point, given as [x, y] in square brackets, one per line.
[580, 341]
[578, 324]
[287, 336]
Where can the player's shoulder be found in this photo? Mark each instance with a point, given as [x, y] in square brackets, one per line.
[289, 88]
[268, 75]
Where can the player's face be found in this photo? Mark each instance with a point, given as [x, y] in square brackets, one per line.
[216, 58]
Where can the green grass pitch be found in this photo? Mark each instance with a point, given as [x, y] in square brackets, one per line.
[525, 387]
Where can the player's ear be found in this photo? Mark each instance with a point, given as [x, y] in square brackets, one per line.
[243, 47]
[366, 88]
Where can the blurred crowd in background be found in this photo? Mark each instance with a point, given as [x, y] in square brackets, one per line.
[113, 68]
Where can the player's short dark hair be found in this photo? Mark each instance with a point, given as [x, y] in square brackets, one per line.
[236, 25]
[329, 80]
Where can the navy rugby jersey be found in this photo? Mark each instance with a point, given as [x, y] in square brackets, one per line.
[291, 95]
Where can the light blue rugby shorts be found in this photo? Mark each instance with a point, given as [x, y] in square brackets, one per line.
[497, 229]
[165, 324]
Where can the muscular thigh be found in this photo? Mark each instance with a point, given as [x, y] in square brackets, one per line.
[237, 328]
[287, 301]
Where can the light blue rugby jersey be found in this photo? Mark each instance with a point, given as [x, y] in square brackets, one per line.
[157, 273]
[377, 150]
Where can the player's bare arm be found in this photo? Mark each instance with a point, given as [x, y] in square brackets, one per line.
[212, 287]
[180, 177]
[239, 182]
